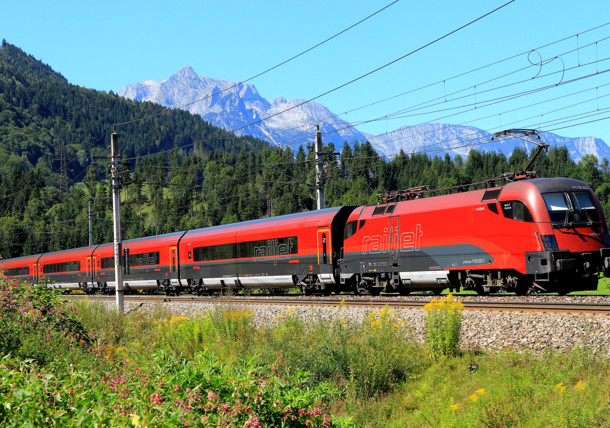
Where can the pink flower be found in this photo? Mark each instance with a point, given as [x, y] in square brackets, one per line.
[212, 395]
[156, 398]
[177, 388]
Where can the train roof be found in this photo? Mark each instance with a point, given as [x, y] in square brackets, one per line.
[282, 218]
[546, 185]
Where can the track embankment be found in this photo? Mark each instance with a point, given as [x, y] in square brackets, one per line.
[535, 323]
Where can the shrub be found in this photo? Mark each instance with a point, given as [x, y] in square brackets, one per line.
[443, 322]
[36, 323]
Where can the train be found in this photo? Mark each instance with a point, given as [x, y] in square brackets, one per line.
[523, 236]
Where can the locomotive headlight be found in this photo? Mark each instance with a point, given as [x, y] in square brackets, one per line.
[549, 241]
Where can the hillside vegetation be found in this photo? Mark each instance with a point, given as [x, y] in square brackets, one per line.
[217, 178]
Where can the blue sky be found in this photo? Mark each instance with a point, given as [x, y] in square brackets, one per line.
[107, 45]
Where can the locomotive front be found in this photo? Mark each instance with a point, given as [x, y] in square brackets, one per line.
[573, 233]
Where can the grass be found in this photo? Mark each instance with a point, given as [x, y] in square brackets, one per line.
[154, 369]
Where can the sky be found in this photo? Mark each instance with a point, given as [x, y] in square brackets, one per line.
[531, 64]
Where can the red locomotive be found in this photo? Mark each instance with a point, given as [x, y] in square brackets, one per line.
[524, 236]
[540, 234]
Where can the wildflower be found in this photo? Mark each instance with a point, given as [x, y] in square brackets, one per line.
[156, 398]
[212, 395]
[135, 420]
[480, 391]
[560, 387]
[474, 398]
[454, 407]
[580, 385]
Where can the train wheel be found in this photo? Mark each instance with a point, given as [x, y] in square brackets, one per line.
[361, 288]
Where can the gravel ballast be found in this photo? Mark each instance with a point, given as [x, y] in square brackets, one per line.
[484, 330]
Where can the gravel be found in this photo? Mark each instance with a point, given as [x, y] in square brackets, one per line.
[481, 330]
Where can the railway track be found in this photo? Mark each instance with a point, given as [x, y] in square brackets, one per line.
[469, 305]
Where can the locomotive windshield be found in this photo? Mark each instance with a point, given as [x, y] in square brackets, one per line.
[569, 208]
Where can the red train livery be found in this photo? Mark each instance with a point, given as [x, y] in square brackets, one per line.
[525, 236]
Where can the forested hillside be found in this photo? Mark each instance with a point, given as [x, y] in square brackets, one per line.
[217, 180]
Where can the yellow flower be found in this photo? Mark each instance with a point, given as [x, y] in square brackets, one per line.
[473, 397]
[135, 420]
[480, 391]
[446, 304]
[454, 407]
[177, 319]
[580, 385]
[560, 387]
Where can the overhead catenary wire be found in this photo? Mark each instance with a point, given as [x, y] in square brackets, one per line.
[426, 45]
[268, 69]
[426, 104]
[478, 84]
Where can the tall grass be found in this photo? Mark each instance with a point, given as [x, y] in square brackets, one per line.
[362, 359]
[443, 323]
[149, 368]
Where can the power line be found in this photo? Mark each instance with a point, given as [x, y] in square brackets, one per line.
[351, 81]
[267, 70]
[427, 104]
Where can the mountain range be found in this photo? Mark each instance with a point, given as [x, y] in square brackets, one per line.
[240, 108]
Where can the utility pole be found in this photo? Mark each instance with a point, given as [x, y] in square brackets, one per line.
[321, 202]
[116, 214]
[90, 226]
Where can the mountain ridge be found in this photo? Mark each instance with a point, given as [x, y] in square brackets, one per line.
[248, 113]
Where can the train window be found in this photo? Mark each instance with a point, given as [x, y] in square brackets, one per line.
[584, 202]
[250, 249]
[201, 254]
[144, 259]
[572, 207]
[350, 229]
[17, 271]
[361, 225]
[390, 209]
[380, 209]
[107, 262]
[227, 251]
[493, 208]
[491, 194]
[557, 206]
[516, 210]
[72, 266]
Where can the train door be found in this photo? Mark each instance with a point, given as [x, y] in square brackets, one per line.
[394, 240]
[35, 268]
[89, 275]
[173, 264]
[91, 268]
[324, 246]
